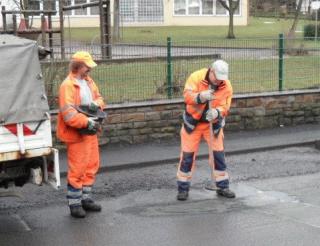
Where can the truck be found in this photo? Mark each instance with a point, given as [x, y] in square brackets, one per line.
[26, 150]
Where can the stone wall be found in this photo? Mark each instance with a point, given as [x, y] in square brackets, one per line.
[161, 120]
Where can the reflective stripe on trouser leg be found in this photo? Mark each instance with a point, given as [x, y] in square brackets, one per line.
[86, 192]
[184, 173]
[189, 148]
[220, 173]
[74, 196]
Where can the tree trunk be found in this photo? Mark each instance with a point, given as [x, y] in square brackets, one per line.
[290, 37]
[231, 9]
[293, 28]
[230, 32]
[233, 5]
[256, 7]
[116, 21]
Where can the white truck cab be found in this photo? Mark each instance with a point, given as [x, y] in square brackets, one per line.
[26, 151]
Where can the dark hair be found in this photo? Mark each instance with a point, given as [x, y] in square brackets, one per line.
[74, 66]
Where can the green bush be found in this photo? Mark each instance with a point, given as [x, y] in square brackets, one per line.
[309, 31]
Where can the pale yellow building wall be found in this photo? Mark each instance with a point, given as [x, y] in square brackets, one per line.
[169, 19]
[72, 21]
[87, 21]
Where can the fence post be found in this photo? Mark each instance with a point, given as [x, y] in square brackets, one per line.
[281, 61]
[169, 68]
[4, 19]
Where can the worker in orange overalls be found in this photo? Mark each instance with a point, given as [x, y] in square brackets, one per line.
[208, 85]
[78, 132]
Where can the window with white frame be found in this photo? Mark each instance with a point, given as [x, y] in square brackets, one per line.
[201, 7]
[49, 5]
[194, 7]
[180, 7]
[34, 5]
[54, 5]
[130, 10]
[127, 11]
[67, 3]
[43, 5]
[150, 11]
[220, 10]
[94, 10]
[141, 10]
[207, 7]
[237, 11]
[82, 11]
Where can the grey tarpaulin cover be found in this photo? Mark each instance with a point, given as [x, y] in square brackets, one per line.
[22, 91]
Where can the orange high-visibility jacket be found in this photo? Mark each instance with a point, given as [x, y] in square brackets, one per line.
[194, 108]
[69, 119]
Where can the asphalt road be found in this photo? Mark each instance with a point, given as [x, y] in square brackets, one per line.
[278, 203]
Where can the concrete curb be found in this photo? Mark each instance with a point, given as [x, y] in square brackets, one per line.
[200, 156]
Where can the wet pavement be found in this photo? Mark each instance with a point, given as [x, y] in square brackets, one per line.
[278, 203]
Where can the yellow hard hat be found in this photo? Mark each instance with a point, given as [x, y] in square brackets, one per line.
[85, 57]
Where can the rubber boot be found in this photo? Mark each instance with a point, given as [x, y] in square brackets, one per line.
[89, 205]
[77, 212]
[74, 200]
[226, 193]
[182, 195]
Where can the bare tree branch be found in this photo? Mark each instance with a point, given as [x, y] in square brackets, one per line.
[17, 3]
[224, 4]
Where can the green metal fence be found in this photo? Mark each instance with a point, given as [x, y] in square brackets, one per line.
[151, 71]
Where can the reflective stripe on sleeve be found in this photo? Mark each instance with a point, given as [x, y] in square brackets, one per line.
[65, 108]
[68, 116]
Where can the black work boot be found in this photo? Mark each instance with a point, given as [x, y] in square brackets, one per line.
[89, 205]
[182, 195]
[226, 193]
[77, 212]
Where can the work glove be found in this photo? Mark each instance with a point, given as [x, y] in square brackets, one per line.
[92, 124]
[212, 114]
[206, 96]
[93, 106]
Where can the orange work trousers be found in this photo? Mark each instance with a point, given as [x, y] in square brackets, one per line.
[83, 161]
[189, 148]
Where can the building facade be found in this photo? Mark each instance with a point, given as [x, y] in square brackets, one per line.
[152, 13]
